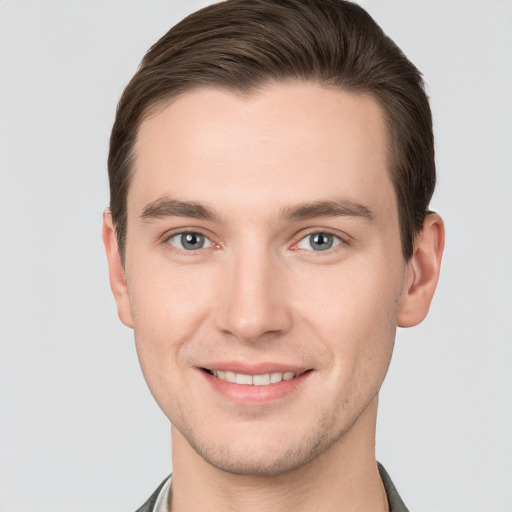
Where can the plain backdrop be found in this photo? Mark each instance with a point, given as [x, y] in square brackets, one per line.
[79, 430]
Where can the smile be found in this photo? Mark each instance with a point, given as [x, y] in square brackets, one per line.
[254, 380]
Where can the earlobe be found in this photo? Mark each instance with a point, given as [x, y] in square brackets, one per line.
[116, 270]
[422, 272]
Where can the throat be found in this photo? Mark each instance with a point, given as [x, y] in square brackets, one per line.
[327, 484]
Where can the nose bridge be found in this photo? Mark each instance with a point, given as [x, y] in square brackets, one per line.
[253, 303]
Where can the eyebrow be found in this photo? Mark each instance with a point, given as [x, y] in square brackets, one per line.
[331, 208]
[169, 207]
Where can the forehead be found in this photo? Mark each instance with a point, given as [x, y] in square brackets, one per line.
[285, 143]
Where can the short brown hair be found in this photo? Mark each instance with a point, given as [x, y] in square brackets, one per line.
[239, 45]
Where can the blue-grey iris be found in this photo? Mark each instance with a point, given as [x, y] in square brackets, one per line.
[321, 241]
[192, 241]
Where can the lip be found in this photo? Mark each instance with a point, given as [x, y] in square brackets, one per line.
[244, 394]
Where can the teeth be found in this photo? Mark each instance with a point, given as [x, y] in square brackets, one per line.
[261, 380]
[243, 379]
[256, 380]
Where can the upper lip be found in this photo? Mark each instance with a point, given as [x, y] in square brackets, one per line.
[255, 368]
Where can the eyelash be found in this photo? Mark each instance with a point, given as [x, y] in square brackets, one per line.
[338, 240]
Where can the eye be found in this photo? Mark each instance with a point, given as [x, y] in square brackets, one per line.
[319, 241]
[190, 241]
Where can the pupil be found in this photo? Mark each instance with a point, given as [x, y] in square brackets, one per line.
[192, 241]
[321, 241]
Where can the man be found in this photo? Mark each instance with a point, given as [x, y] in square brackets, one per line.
[271, 166]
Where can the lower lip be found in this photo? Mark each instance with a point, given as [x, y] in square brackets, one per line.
[251, 394]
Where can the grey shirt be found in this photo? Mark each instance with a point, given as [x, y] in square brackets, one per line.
[160, 497]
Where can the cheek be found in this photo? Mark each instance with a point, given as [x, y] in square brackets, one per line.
[168, 305]
[355, 321]
[163, 294]
[353, 309]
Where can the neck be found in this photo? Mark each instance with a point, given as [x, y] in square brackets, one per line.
[344, 477]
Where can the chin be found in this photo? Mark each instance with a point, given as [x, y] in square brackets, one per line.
[259, 461]
[265, 456]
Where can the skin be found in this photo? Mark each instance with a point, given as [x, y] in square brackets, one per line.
[259, 294]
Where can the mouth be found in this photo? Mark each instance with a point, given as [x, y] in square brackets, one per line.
[263, 379]
[255, 384]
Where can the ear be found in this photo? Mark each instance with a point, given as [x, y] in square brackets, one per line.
[116, 270]
[422, 272]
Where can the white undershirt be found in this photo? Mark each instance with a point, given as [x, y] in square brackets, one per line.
[163, 498]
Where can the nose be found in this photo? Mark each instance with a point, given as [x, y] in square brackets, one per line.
[253, 303]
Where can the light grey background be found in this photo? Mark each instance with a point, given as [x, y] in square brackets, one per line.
[78, 429]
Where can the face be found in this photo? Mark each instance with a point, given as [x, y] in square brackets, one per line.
[264, 270]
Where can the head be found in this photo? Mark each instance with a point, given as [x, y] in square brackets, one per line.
[271, 166]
